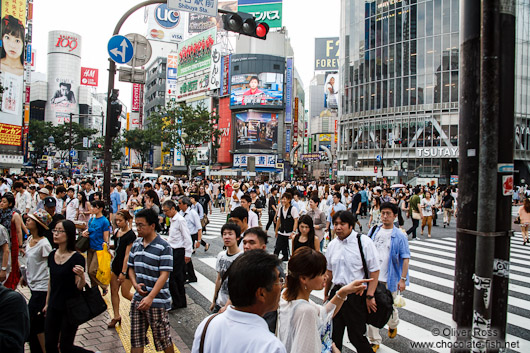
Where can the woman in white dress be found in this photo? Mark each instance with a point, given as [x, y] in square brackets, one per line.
[304, 326]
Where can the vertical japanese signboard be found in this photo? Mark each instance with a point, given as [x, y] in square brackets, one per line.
[288, 141]
[215, 70]
[12, 70]
[289, 92]
[295, 114]
[137, 88]
[225, 76]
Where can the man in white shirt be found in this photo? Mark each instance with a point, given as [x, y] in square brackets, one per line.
[254, 288]
[72, 204]
[123, 196]
[23, 198]
[344, 265]
[253, 220]
[393, 249]
[335, 207]
[180, 241]
[194, 226]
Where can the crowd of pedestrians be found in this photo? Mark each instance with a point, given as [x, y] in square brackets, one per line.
[43, 221]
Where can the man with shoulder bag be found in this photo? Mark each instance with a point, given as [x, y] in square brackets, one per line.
[394, 254]
[346, 262]
[415, 212]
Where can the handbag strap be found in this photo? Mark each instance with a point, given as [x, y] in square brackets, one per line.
[362, 255]
[201, 347]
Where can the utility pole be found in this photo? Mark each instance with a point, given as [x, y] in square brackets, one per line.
[468, 138]
[499, 294]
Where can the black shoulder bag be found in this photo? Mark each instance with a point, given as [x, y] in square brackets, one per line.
[382, 295]
[86, 306]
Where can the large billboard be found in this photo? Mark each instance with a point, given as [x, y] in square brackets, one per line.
[256, 130]
[166, 25]
[327, 54]
[263, 11]
[256, 81]
[194, 54]
[331, 91]
[12, 70]
[64, 66]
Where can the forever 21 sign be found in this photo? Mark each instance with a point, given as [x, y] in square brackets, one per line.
[66, 42]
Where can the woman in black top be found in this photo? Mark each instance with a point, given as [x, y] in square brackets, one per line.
[306, 234]
[123, 238]
[67, 279]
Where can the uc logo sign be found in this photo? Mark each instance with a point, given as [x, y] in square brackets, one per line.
[165, 17]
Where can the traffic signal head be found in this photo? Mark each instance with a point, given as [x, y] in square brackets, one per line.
[244, 23]
[115, 113]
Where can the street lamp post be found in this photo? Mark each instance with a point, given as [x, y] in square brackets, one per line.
[51, 142]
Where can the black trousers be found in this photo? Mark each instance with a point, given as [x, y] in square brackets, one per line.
[352, 316]
[60, 333]
[282, 245]
[177, 278]
[190, 272]
[36, 319]
[271, 220]
[415, 225]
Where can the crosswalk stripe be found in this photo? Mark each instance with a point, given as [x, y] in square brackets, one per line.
[521, 254]
[515, 256]
[516, 253]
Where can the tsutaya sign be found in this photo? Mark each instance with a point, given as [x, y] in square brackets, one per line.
[521, 130]
[437, 152]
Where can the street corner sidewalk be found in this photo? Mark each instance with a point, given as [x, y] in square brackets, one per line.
[95, 336]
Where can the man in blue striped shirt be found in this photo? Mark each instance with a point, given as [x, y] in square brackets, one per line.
[150, 262]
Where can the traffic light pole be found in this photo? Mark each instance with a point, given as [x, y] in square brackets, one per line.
[108, 124]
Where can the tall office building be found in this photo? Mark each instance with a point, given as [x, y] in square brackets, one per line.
[399, 72]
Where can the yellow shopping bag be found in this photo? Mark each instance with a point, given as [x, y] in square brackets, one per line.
[104, 258]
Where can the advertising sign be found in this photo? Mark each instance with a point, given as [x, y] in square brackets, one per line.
[165, 24]
[89, 77]
[171, 75]
[225, 122]
[327, 54]
[270, 13]
[261, 160]
[287, 140]
[295, 114]
[256, 130]
[193, 86]
[225, 76]
[137, 89]
[256, 80]
[195, 53]
[208, 7]
[199, 23]
[12, 70]
[331, 91]
[215, 72]
[289, 92]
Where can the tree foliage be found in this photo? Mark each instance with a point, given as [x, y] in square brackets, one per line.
[142, 140]
[185, 128]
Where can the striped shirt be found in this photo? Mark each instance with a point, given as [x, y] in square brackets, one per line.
[147, 264]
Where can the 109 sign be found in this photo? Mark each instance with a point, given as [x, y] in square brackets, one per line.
[67, 42]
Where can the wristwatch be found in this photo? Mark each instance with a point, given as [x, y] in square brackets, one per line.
[123, 273]
[4, 268]
[404, 278]
[369, 297]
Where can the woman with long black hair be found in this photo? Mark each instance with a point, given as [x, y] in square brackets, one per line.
[67, 279]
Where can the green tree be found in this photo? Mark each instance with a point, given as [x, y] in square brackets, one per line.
[38, 134]
[142, 140]
[118, 143]
[185, 128]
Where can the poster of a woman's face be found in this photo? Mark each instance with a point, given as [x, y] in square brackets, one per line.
[12, 60]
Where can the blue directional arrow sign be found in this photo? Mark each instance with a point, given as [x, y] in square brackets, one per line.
[73, 153]
[379, 158]
[120, 49]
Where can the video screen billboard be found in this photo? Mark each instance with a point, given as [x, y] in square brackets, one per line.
[256, 81]
[256, 130]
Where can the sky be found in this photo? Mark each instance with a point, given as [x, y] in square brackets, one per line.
[95, 20]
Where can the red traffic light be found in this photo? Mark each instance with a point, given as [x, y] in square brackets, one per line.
[99, 145]
[262, 29]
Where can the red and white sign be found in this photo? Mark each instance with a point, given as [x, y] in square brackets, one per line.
[507, 185]
[89, 77]
[225, 119]
[137, 89]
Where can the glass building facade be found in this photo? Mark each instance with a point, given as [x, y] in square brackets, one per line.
[399, 74]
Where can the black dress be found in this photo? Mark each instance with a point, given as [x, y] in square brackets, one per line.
[121, 246]
[297, 244]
